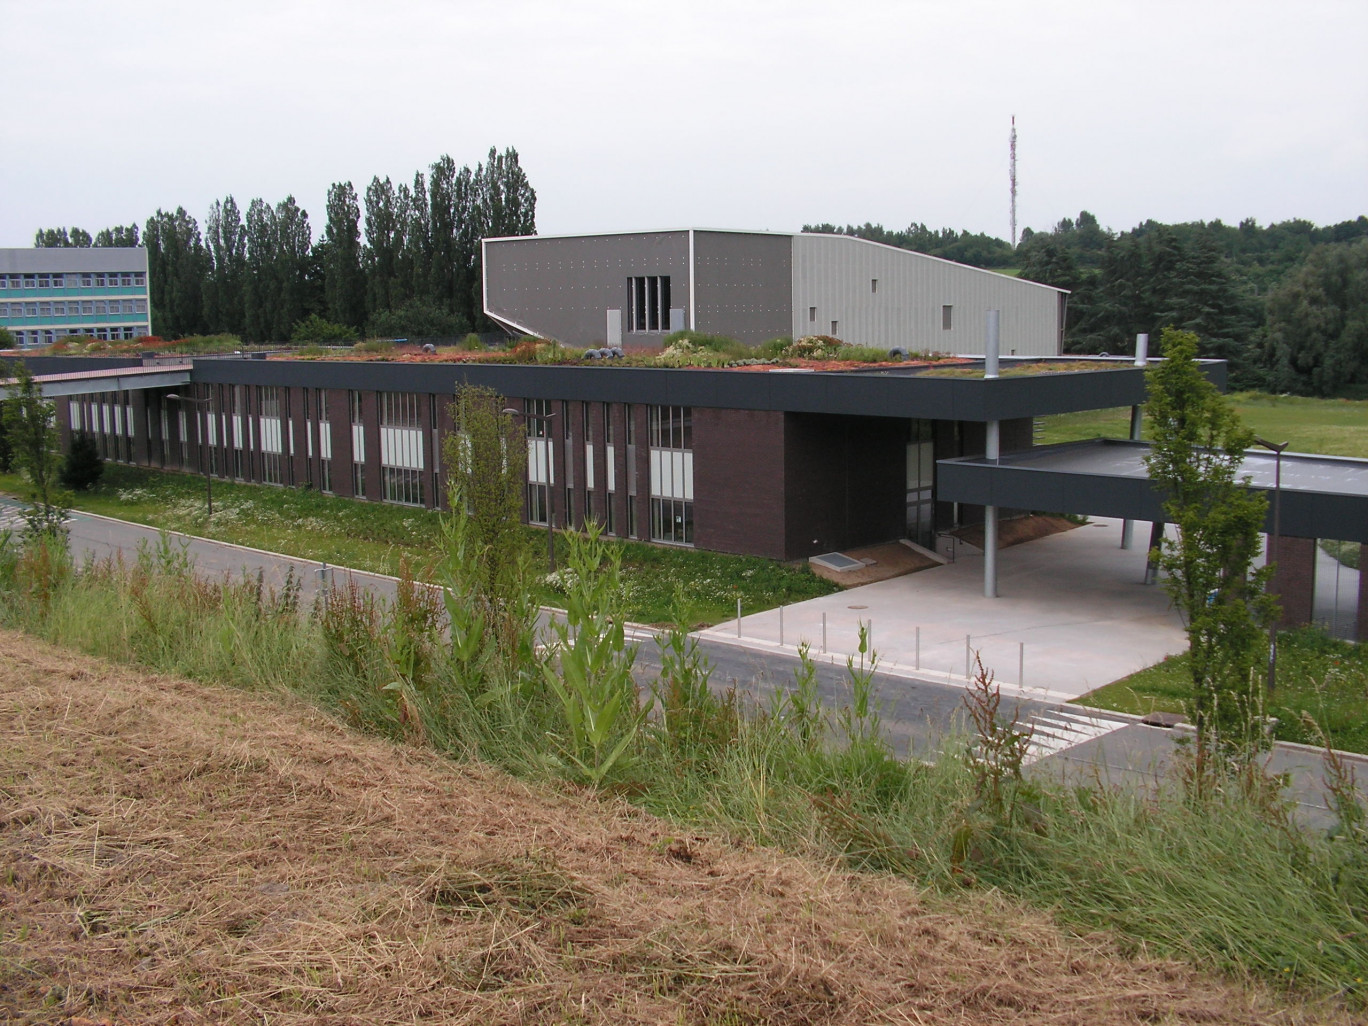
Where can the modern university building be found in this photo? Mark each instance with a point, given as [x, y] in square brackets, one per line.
[782, 462]
[49, 293]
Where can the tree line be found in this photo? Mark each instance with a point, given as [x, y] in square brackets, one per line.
[414, 271]
[1286, 303]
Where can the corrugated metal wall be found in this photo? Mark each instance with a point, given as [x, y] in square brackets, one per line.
[882, 296]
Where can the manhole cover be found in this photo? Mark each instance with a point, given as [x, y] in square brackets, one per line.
[857, 607]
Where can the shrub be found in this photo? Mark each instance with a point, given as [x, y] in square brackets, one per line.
[699, 340]
[815, 347]
[316, 329]
[417, 319]
[6, 338]
[82, 467]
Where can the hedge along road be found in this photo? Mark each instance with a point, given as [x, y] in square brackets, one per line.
[917, 713]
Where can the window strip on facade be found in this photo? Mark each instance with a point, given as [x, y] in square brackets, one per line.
[541, 471]
[269, 433]
[358, 429]
[401, 448]
[324, 441]
[671, 431]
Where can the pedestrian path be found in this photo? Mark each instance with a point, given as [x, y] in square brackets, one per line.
[1072, 614]
[1058, 730]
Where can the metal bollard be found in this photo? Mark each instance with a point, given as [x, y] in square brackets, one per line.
[824, 633]
[916, 658]
[966, 657]
[781, 626]
[1021, 663]
[738, 616]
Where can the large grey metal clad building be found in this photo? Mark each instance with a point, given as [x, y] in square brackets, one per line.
[639, 286]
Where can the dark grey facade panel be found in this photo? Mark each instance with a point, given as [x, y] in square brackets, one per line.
[1322, 497]
[563, 288]
[66, 364]
[744, 286]
[893, 394]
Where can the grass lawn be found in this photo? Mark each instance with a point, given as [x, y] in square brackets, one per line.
[1335, 427]
[1317, 675]
[379, 537]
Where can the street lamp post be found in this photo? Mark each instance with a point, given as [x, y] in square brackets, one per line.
[546, 419]
[204, 440]
[1274, 546]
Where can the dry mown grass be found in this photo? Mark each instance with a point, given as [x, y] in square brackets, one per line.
[174, 853]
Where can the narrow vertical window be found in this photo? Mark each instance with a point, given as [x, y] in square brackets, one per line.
[947, 317]
[648, 303]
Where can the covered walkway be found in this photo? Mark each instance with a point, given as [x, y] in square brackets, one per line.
[113, 379]
[1320, 497]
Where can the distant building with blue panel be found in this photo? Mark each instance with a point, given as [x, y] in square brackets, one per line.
[46, 294]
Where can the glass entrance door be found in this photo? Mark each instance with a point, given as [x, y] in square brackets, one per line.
[921, 464]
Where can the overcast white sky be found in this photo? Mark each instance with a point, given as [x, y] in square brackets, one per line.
[739, 114]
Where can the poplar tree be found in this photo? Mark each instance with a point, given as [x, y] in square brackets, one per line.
[260, 291]
[177, 264]
[226, 238]
[344, 286]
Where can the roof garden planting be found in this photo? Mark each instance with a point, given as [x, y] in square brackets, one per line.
[683, 349]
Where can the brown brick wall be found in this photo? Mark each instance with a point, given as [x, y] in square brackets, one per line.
[62, 407]
[846, 481]
[141, 443]
[618, 411]
[642, 499]
[1294, 579]
[370, 417]
[738, 481]
[598, 441]
[339, 422]
[298, 429]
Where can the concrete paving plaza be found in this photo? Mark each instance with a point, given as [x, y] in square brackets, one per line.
[1072, 612]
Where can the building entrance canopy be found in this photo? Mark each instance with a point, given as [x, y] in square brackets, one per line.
[1322, 496]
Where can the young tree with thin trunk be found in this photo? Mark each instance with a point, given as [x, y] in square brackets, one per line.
[33, 437]
[1195, 460]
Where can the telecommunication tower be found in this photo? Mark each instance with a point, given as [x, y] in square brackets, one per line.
[1011, 172]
